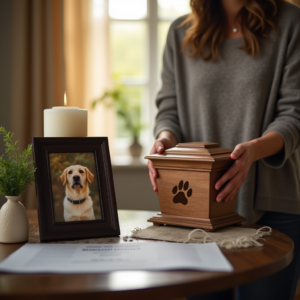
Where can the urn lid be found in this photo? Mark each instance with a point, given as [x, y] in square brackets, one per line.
[195, 151]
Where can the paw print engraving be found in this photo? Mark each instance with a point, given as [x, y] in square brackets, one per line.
[180, 196]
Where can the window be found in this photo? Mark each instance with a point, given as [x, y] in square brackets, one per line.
[137, 35]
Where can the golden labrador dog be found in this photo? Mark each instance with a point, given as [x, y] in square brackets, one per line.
[78, 205]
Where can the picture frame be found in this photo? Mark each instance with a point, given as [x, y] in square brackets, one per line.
[74, 188]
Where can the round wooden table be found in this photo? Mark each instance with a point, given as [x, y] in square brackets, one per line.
[249, 264]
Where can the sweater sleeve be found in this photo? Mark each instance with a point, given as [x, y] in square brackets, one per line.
[167, 116]
[287, 114]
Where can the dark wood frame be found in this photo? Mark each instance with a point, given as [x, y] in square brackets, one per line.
[49, 229]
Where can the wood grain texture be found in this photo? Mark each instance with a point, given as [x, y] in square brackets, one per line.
[186, 164]
[197, 151]
[198, 145]
[196, 205]
[190, 162]
[223, 208]
[209, 224]
[249, 264]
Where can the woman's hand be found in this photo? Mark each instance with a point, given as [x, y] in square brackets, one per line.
[244, 155]
[165, 140]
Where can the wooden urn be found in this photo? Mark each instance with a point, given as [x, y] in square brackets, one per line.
[186, 180]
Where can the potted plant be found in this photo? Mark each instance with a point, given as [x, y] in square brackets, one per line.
[128, 112]
[15, 173]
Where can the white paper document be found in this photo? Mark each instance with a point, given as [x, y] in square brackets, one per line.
[96, 258]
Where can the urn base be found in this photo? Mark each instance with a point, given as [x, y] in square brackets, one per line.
[206, 224]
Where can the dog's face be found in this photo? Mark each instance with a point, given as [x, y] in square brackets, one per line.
[77, 177]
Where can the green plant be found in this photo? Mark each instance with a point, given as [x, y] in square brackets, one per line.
[130, 113]
[15, 172]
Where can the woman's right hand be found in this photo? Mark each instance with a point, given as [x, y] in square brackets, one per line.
[166, 140]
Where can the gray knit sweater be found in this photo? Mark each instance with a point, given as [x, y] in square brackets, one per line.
[236, 99]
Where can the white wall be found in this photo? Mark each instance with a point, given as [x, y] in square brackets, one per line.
[133, 188]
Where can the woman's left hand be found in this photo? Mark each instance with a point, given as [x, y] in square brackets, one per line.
[244, 156]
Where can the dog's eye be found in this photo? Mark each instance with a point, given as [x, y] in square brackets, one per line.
[81, 172]
[70, 172]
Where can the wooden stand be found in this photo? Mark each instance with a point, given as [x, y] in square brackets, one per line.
[206, 224]
[186, 178]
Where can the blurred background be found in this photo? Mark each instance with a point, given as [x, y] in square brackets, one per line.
[87, 47]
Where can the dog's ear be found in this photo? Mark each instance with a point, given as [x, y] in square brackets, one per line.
[63, 176]
[89, 175]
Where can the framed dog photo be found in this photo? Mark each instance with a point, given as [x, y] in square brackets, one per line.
[74, 187]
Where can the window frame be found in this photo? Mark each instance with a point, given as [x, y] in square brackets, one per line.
[152, 81]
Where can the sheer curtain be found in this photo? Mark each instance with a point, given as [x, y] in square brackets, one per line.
[37, 70]
[87, 61]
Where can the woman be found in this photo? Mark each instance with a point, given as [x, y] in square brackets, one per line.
[231, 74]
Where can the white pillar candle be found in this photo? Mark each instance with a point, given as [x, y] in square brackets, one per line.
[65, 121]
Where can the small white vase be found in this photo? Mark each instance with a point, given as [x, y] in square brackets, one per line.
[14, 225]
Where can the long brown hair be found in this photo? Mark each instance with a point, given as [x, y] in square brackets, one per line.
[206, 21]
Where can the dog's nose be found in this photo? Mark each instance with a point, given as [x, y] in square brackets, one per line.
[76, 178]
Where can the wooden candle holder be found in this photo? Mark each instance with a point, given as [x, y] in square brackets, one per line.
[186, 180]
